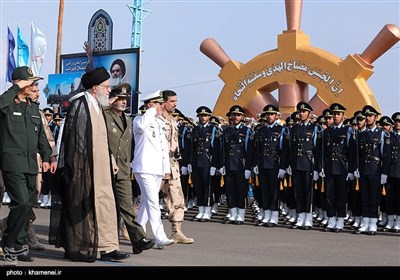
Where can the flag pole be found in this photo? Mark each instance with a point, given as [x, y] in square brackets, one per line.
[59, 35]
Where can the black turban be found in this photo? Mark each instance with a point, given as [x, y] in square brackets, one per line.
[95, 77]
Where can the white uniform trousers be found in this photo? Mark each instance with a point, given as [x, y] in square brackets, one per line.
[149, 209]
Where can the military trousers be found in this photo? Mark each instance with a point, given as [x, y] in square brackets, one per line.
[174, 199]
[125, 199]
[21, 187]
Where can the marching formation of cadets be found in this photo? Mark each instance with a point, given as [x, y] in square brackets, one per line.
[326, 171]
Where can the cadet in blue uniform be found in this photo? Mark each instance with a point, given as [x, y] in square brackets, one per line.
[393, 182]
[336, 156]
[21, 138]
[303, 138]
[270, 164]
[204, 161]
[238, 157]
[374, 163]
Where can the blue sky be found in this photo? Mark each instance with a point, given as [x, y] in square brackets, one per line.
[173, 31]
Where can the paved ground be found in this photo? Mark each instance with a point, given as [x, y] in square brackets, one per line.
[236, 245]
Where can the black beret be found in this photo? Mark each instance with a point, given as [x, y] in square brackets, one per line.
[369, 110]
[236, 109]
[121, 91]
[303, 106]
[95, 77]
[336, 107]
[385, 120]
[203, 110]
[24, 73]
[270, 109]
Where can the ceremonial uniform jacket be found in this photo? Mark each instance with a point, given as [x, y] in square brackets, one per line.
[374, 152]
[336, 149]
[395, 155]
[238, 148]
[21, 134]
[205, 146]
[271, 147]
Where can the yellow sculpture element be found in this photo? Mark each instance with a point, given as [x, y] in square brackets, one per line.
[292, 67]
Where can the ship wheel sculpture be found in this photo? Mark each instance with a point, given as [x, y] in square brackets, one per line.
[295, 65]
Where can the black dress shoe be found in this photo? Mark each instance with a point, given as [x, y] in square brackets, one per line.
[295, 227]
[371, 233]
[271, 225]
[239, 223]
[142, 244]
[114, 256]
[25, 258]
[307, 227]
[327, 229]
[338, 230]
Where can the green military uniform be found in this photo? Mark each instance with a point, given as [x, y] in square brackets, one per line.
[120, 142]
[21, 137]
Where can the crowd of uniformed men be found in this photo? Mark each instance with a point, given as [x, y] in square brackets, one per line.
[324, 170]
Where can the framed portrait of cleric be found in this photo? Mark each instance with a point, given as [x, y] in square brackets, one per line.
[122, 64]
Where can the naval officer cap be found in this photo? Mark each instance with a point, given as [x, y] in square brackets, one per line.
[203, 110]
[155, 97]
[95, 77]
[396, 117]
[121, 91]
[369, 110]
[48, 111]
[321, 119]
[304, 106]
[327, 113]
[57, 117]
[359, 115]
[336, 107]
[236, 109]
[270, 109]
[386, 120]
[295, 116]
[24, 73]
[289, 120]
[214, 120]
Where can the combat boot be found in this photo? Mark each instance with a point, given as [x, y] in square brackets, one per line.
[33, 242]
[177, 234]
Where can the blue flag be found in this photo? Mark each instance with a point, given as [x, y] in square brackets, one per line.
[23, 50]
[11, 59]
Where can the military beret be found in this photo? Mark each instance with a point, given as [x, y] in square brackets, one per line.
[121, 91]
[359, 115]
[303, 106]
[203, 110]
[336, 107]
[236, 109]
[24, 73]
[369, 110]
[48, 111]
[270, 109]
[396, 116]
[95, 77]
[385, 120]
[57, 117]
[327, 113]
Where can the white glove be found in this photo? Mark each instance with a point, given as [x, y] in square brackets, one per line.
[322, 174]
[383, 179]
[222, 170]
[212, 171]
[189, 167]
[350, 177]
[289, 170]
[247, 174]
[255, 169]
[281, 173]
[357, 174]
[184, 170]
[315, 175]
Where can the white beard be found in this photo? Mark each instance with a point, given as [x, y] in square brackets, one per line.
[115, 81]
[119, 108]
[103, 99]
